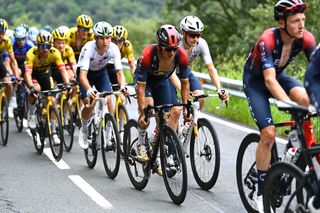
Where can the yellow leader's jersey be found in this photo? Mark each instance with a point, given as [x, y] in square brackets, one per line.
[127, 50]
[6, 44]
[67, 56]
[72, 40]
[38, 67]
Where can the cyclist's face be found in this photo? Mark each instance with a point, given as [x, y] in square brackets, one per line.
[83, 32]
[193, 38]
[103, 42]
[169, 53]
[295, 25]
[59, 44]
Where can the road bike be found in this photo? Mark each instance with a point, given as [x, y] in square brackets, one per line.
[4, 115]
[20, 112]
[169, 146]
[289, 187]
[102, 122]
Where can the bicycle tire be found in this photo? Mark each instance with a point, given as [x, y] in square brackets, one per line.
[4, 122]
[278, 187]
[20, 110]
[18, 118]
[247, 178]
[121, 118]
[208, 154]
[68, 125]
[91, 154]
[56, 149]
[138, 173]
[110, 153]
[38, 134]
[170, 139]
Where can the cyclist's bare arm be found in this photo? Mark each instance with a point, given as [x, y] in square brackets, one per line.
[132, 66]
[120, 78]
[14, 65]
[273, 85]
[64, 74]
[83, 78]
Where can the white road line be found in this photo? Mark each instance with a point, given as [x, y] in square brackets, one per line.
[216, 209]
[90, 191]
[238, 127]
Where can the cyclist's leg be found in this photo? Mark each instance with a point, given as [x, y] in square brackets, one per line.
[196, 88]
[102, 83]
[175, 111]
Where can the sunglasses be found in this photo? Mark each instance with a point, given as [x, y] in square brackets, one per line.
[296, 8]
[45, 46]
[118, 40]
[170, 49]
[194, 35]
[20, 39]
[83, 29]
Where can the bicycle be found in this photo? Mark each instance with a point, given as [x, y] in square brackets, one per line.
[20, 112]
[66, 115]
[288, 187]
[169, 145]
[45, 112]
[246, 171]
[201, 141]
[75, 104]
[4, 114]
[110, 152]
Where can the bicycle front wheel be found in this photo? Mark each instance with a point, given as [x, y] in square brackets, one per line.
[55, 133]
[4, 122]
[246, 172]
[286, 189]
[205, 155]
[173, 159]
[110, 146]
[121, 118]
[91, 154]
[138, 173]
[68, 125]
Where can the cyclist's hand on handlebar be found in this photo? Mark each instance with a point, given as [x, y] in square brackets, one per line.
[33, 91]
[223, 94]
[91, 93]
[124, 91]
[141, 120]
[186, 114]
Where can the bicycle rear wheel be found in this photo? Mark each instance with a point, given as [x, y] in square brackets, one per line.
[121, 118]
[38, 134]
[68, 125]
[205, 155]
[285, 189]
[246, 171]
[4, 122]
[138, 173]
[55, 134]
[91, 154]
[170, 148]
[19, 111]
[110, 146]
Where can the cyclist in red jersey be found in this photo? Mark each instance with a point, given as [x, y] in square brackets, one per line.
[264, 76]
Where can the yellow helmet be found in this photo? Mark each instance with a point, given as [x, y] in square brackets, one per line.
[59, 33]
[44, 37]
[3, 25]
[84, 21]
[120, 33]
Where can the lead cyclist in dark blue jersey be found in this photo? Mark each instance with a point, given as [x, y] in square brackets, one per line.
[264, 76]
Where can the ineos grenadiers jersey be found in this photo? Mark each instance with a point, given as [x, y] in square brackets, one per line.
[89, 58]
[267, 51]
[148, 65]
[201, 48]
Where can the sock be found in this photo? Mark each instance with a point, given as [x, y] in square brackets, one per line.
[108, 129]
[261, 177]
[84, 125]
[142, 135]
[53, 125]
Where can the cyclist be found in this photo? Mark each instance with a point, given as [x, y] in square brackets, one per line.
[191, 29]
[59, 41]
[81, 34]
[120, 38]
[6, 47]
[92, 71]
[312, 84]
[264, 76]
[38, 74]
[32, 34]
[155, 66]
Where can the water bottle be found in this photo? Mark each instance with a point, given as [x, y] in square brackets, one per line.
[289, 155]
[293, 137]
[185, 129]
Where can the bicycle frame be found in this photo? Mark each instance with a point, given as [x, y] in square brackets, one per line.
[3, 95]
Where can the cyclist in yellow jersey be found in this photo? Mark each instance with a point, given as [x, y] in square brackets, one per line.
[81, 34]
[6, 45]
[38, 74]
[67, 55]
[120, 38]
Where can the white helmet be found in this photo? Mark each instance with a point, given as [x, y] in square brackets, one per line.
[64, 29]
[102, 28]
[20, 32]
[191, 24]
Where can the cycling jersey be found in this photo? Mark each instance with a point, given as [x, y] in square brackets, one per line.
[6, 45]
[20, 52]
[201, 48]
[89, 58]
[312, 79]
[72, 40]
[267, 54]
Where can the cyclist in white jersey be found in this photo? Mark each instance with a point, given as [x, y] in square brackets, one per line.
[191, 29]
[92, 71]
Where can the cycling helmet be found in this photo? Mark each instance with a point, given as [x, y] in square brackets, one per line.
[47, 28]
[33, 33]
[191, 24]
[288, 7]
[120, 33]
[59, 34]
[44, 37]
[3, 25]
[64, 29]
[102, 28]
[168, 36]
[84, 21]
[20, 33]
[26, 26]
